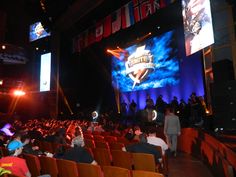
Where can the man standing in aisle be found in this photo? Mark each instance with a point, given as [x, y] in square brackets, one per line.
[172, 129]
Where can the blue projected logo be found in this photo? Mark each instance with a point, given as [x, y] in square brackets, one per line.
[150, 64]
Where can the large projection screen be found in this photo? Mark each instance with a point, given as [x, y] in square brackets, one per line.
[154, 63]
[198, 29]
[45, 72]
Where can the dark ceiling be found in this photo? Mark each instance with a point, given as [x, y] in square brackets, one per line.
[66, 14]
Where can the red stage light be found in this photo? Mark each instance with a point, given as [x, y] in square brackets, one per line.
[18, 93]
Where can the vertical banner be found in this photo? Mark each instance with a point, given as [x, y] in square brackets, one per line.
[99, 31]
[45, 72]
[116, 21]
[127, 15]
[107, 26]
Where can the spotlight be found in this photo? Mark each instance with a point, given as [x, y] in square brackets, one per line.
[36, 48]
[94, 115]
[3, 47]
[1, 82]
[154, 115]
[18, 93]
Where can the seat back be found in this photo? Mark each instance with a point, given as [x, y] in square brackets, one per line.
[48, 166]
[33, 164]
[102, 156]
[88, 136]
[143, 161]
[67, 168]
[116, 145]
[101, 144]
[3, 152]
[89, 170]
[89, 143]
[141, 173]
[111, 171]
[47, 146]
[98, 138]
[110, 138]
[122, 159]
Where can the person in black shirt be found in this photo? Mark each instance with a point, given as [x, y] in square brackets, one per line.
[78, 153]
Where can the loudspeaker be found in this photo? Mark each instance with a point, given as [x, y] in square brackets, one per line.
[223, 71]
[224, 104]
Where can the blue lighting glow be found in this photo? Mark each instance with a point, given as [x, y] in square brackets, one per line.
[161, 68]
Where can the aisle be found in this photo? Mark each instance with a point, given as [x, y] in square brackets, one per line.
[185, 165]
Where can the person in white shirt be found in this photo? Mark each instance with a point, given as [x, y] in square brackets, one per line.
[154, 140]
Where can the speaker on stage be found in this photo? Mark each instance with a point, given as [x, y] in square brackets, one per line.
[223, 71]
[224, 104]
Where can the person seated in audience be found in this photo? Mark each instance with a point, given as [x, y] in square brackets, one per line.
[143, 147]
[12, 162]
[60, 136]
[78, 153]
[59, 152]
[28, 148]
[129, 135]
[2, 139]
[137, 132]
[154, 140]
[98, 128]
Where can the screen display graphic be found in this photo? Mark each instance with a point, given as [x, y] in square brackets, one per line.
[45, 72]
[198, 28]
[152, 63]
[37, 32]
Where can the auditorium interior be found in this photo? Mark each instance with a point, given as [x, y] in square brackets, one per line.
[104, 73]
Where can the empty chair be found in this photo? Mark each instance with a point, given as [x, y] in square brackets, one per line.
[47, 146]
[67, 168]
[48, 166]
[88, 136]
[96, 133]
[111, 171]
[102, 156]
[143, 161]
[101, 144]
[122, 140]
[33, 164]
[116, 145]
[98, 138]
[122, 159]
[89, 170]
[105, 133]
[141, 173]
[89, 143]
[110, 138]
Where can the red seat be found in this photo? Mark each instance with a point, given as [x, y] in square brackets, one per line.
[48, 166]
[67, 168]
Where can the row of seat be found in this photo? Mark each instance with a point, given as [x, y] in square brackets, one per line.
[66, 168]
[109, 153]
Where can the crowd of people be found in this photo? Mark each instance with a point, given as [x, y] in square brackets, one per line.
[191, 113]
[71, 134]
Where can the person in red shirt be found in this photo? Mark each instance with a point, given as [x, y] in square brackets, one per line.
[16, 165]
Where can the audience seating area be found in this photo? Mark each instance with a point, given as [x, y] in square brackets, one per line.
[112, 161]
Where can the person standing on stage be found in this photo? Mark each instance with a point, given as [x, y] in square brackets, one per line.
[172, 129]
